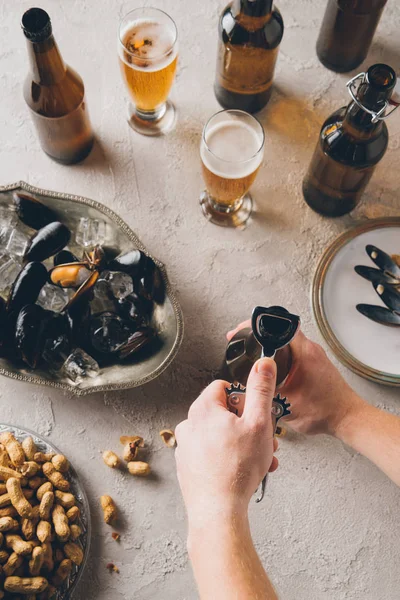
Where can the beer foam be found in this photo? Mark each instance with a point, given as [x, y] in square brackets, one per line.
[149, 40]
[234, 147]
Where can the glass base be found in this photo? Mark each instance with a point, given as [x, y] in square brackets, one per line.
[156, 122]
[235, 216]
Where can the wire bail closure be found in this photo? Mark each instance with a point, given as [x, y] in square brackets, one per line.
[376, 116]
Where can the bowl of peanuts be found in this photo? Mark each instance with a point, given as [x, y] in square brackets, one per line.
[45, 527]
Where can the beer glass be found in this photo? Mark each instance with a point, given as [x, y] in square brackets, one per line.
[232, 148]
[148, 54]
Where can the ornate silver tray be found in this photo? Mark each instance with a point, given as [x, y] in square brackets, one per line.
[167, 318]
[66, 591]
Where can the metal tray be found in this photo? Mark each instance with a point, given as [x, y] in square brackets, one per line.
[367, 348]
[69, 586]
[167, 318]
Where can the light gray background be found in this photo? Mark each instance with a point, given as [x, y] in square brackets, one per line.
[329, 527]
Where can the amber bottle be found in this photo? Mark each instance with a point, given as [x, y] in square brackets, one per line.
[346, 32]
[250, 32]
[55, 94]
[351, 143]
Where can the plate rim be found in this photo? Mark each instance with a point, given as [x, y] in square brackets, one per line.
[170, 293]
[324, 262]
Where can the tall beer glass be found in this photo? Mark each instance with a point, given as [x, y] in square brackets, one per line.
[148, 54]
[231, 151]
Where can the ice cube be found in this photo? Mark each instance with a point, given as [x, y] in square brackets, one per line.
[121, 284]
[9, 269]
[53, 298]
[8, 217]
[108, 332]
[15, 242]
[90, 232]
[80, 365]
[103, 300]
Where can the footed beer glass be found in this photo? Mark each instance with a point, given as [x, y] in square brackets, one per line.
[231, 151]
[148, 54]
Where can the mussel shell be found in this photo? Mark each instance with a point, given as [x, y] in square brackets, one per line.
[134, 263]
[29, 333]
[78, 316]
[31, 211]
[136, 308]
[26, 287]
[389, 296]
[379, 314]
[70, 275]
[3, 321]
[151, 284]
[47, 241]
[383, 260]
[376, 275]
[136, 342]
[64, 257]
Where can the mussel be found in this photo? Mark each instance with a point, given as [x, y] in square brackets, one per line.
[3, 321]
[151, 285]
[57, 338]
[31, 211]
[376, 275]
[64, 257]
[29, 333]
[134, 263]
[135, 307]
[47, 241]
[383, 260]
[379, 314]
[136, 342]
[108, 332]
[71, 275]
[389, 296]
[26, 287]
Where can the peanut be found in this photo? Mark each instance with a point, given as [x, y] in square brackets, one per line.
[76, 532]
[46, 504]
[29, 469]
[60, 463]
[168, 437]
[18, 545]
[6, 473]
[13, 447]
[73, 514]
[7, 523]
[58, 555]
[65, 499]
[74, 552]
[18, 500]
[4, 458]
[139, 468]
[60, 521]
[36, 482]
[28, 526]
[29, 447]
[111, 459]
[1, 542]
[64, 569]
[130, 452]
[43, 531]
[3, 556]
[109, 509]
[41, 457]
[25, 585]
[13, 563]
[132, 439]
[36, 562]
[3, 488]
[48, 562]
[46, 487]
[48, 594]
[9, 511]
[55, 477]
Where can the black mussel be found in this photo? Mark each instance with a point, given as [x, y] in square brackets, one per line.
[64, 257]
[3, 321]
[379, 314]
[79, 319]
[376, 275]
[48, 241]
[383, 260]
[31, 211]
[70, 275]
[389, 296]
[151, 284]
[136, 308]
[134, 263]
[108, 332]
[138, 340]
[26, 287]
[29, 333]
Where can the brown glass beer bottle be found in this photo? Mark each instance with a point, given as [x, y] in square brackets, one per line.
[250, 32]
[55, 94]
[352, 142]
[346, 32]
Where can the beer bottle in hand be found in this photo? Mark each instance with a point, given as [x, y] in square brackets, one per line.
[346, 32]
[55, 94]
[250, 32]
[352, 142]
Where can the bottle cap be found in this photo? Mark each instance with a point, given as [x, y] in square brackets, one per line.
[383, 79]
[36, 24]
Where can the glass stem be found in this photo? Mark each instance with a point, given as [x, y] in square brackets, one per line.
[226, 208]
[151, 115]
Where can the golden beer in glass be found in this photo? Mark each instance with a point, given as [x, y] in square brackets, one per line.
[232, 149]
[148, 55]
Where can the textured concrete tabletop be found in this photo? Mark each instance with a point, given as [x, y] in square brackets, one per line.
[329, 527]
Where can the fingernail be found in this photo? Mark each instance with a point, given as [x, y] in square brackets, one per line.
[266, 367]
[230, 332]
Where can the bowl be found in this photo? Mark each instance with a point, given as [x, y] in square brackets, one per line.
[167, 319]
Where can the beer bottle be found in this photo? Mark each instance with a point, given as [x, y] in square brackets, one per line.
[250, 32]
[346, 32]
[351, 143]
[55, 94]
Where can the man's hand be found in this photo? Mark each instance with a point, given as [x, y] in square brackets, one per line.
[321, 401]
[221, 458]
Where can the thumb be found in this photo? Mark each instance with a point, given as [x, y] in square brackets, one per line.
[260, 391]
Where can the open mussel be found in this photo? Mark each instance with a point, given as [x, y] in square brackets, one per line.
[29, 333]
[70, 275]
[64, 257]
[26, 287]
[389, 296]
[31, 211]
[384, 261]
[48, 241]
[151, 284]
[379, 314]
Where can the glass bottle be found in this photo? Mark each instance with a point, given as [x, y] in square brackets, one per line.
[351, 143]
[250, 32]
[346, 32]
[55, 94]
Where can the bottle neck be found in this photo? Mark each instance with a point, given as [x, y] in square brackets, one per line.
[252, 14]
[357, 121]
[47, 65]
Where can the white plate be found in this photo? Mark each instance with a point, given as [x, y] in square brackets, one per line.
[370, 349]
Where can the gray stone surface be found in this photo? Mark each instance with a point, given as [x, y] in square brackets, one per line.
[329, 527]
